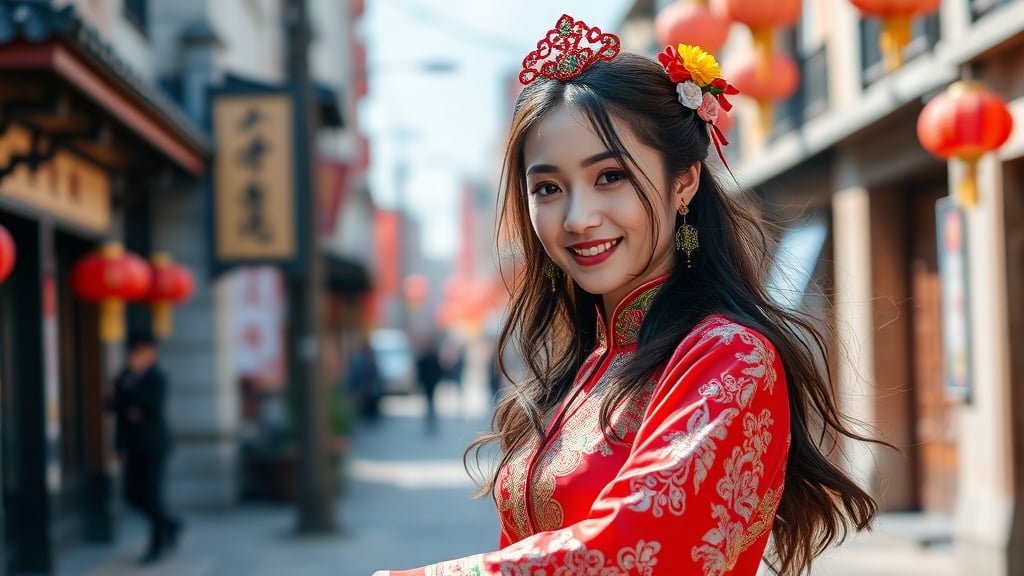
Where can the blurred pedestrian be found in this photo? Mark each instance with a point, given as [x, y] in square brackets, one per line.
[453, 360]
[672, 415]
[364, 381]
[429, 372]
[143, 441]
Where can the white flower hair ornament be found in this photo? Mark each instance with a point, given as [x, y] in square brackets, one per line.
[690, 95]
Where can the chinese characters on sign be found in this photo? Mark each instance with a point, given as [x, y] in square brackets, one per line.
[254, 187]
[67, 187]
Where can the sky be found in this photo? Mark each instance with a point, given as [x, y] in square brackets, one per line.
[438, 75]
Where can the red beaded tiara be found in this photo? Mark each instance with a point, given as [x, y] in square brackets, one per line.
[567, 50]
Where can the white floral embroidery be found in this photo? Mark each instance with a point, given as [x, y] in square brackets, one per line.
[577, 560]
[469, 566]
[738, 488]
[692, 451]
[642, 558]
[760, 360]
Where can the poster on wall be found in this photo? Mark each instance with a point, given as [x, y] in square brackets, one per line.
[951, 228]
[257, 326]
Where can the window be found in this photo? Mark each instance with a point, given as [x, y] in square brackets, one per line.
[136, 12]
[811, 98]
[924, 35]
[796, 260]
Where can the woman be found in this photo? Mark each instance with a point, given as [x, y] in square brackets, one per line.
[674, 415]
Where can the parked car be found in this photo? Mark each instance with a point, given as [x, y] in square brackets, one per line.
[396, 361]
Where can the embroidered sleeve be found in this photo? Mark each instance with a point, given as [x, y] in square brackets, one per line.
[699, 490]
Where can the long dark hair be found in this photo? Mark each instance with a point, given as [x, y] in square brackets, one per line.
[554, 331]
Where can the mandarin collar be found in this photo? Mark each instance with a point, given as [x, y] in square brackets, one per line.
[628, 315]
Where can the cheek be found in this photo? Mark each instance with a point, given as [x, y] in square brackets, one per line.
[546, 221]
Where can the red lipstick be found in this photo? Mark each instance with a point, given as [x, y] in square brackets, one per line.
[587, 259]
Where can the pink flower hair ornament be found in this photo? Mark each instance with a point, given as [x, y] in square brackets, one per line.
[700, 86]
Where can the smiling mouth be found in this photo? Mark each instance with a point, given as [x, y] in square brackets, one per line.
[595, 250]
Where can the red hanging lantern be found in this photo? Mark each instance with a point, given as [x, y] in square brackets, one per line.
[415, 288]
[172, 284]
[8, 254]
[762, 17]
[111, 276]
[744, 73]
[965, 122]
[897, 17]
[693, 23]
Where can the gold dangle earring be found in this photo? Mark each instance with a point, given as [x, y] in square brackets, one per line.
[686, 236]
[551, 271]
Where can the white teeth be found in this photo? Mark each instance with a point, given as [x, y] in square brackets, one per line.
[595, 250]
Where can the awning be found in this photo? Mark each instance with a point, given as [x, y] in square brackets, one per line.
[325, 98]
[61, 81]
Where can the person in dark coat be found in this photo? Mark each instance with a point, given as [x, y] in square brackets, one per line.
[365, 381]
[430, 371]
[143, 441]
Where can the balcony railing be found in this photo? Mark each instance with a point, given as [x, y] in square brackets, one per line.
[980, 8]
[924, 36]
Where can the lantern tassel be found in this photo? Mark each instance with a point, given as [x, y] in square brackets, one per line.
[111, 320]
[766, 117]
[968, 185]
[764, 44]
[895, 35]
[163, 318]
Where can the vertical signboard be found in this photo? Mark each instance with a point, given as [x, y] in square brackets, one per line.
[951, 225]
[255, 200]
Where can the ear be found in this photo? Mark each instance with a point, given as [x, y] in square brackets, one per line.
[686, 184]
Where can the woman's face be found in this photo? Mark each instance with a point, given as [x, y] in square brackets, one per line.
[586, 211]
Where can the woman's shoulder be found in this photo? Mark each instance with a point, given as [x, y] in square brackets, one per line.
[723, 359]
[718, 327]
[718, 335]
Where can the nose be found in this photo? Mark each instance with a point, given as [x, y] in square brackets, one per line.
[584, 213]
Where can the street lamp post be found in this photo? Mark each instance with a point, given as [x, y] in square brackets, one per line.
[315, 497]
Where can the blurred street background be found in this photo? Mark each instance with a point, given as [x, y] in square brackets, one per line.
[297, 200]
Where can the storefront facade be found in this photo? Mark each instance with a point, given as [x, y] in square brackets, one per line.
[83, 144]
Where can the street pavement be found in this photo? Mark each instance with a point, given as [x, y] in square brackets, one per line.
[407, 502]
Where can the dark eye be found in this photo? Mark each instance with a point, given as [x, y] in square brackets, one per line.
[546, 189]
[611, 177]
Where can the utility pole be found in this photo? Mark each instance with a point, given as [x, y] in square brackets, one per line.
[315, 497]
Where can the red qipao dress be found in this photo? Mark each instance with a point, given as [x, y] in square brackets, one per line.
[692, 491]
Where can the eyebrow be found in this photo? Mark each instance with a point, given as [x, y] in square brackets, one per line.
[548, 168]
